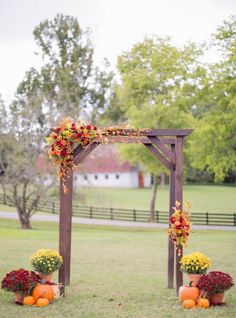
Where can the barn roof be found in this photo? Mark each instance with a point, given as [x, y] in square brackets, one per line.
[105, 159]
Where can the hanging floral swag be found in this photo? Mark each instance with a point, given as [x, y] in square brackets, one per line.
[69, 134]
[62, 141]
[180, 226]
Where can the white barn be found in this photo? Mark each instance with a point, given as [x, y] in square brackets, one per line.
[103, 168]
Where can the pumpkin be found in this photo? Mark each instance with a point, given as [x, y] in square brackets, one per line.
[43, 291]
[203, 302]
[188, 292]
[28, 300]
[41, 302]
[188, 303]
[181, 290]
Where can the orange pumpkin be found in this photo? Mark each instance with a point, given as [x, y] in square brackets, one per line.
[203, 302]
[43, 291]
[188, 303]
[28, 300]
[42, 302]
[188, 292]
[181, 290]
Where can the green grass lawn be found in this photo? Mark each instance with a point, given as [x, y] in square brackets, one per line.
[209, 198]
[115, 272]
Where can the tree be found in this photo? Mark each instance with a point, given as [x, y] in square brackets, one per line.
[213, 148]
[21, 147]
[66, 85]
[156, 91]
[68, 79]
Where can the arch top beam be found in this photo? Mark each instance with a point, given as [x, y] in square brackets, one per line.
[149, 132]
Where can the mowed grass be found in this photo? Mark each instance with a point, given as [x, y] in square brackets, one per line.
[115, 272]
[204, 198]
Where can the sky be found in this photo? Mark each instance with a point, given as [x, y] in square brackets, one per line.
[115, 25]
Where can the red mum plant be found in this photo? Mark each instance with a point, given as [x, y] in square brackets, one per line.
[215, 282]
[179, 226]
[62, 141]
[20, 281]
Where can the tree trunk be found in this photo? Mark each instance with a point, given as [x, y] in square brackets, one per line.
[153, 199]
[25, 224]
[162, 179]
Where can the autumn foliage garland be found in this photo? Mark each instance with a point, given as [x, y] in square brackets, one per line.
[179, 227]
[62, 141]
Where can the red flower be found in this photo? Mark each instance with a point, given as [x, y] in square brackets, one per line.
[88, 127]
[63, 153]
[58, 143]
[79, 135]
[57, 129]
[20, 280]
[215, 282]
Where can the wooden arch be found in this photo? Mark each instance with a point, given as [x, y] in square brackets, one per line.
[164, 144]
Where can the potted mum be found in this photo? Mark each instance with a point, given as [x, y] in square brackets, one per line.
[46, 262]
[214, 284]
[195, 265]
[21, 282]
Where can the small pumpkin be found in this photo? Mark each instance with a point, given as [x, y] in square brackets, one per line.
[188, 292]
[203, 303]
[43, 291]
[28, 300]
[188, 303]
[42, 302]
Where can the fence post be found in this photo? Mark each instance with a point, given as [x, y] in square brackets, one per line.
[134, 214]
[207, 218]
[91, 212]
[157, 216]
[53, 207]
[111, 213]
[234, 219]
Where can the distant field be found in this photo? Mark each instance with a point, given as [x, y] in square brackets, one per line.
[217, 199]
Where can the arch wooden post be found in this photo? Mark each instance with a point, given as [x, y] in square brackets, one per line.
[65, 220]
[179, 198]
[171, 247]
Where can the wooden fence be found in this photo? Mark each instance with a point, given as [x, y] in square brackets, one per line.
[200, 218]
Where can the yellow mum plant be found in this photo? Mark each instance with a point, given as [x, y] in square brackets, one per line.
[195, 263]
[46, 261]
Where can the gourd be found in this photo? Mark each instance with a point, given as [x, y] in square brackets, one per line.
[43, 291]
[28, 300]
[41, 302]
[203, 302]
[188, 292]
[188, 303]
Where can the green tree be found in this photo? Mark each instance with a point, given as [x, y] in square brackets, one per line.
[213, 146]
[68, 81]
[157, 90]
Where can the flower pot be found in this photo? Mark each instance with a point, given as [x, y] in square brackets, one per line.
[18, 298]
[217, 299]
[194, 278]
[46, 277]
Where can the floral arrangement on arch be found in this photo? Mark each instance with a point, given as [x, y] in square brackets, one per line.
[62, 141]
[179, 226]
[215, 282]
[195, 263]
[46, 261]
[20, 281]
